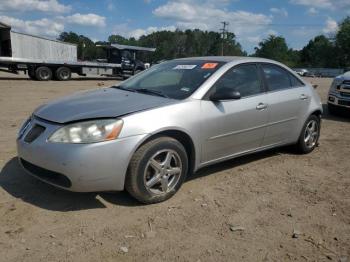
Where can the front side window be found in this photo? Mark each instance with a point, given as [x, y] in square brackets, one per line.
[295, 81]
[243, 79]
[176, 79]
[277, 78]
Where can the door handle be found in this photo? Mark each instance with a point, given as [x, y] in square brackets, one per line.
[261, 106]
[303, 97]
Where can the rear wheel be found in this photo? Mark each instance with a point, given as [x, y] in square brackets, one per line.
[43, 73]
[309, 136]
[63, 73]
[157, 170]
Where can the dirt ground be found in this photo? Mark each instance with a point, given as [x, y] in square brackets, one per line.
[245, 209]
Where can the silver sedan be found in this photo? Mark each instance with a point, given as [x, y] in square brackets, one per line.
[148, 133]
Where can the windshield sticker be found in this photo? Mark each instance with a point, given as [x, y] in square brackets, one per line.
[209, 65]
[186, 67]
[186, 89]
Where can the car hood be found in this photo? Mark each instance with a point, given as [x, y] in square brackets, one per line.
[345, 76]
[101, 103]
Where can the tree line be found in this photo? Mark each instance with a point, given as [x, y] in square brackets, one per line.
[321, 51]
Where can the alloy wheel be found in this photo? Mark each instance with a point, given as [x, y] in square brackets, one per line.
[162, 172]
[311, 133]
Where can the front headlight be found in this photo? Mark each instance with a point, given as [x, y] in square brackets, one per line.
[335, 84]
[88, 132]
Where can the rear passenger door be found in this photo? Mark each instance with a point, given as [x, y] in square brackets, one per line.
[287, 97]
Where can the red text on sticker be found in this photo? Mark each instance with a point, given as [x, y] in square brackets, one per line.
[209, 65]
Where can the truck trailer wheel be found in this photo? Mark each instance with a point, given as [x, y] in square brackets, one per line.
[31, 74]
[43, 73]
[63, 73]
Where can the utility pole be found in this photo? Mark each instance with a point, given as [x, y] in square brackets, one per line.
[224, 32]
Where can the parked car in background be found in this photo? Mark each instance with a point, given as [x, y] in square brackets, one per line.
[148, 133]
[302, 72]
[339, 93]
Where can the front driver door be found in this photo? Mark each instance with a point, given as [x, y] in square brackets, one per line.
[234, 126]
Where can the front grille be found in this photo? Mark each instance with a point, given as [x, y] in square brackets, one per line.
[34, 133]
[345, 94]
[47, 175]
[344, 102]
[346, 82]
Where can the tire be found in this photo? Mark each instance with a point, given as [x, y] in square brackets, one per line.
[332, 109]
[151, 181]
[63, 74]
[310, 129]
[43, 73]
[31, 75]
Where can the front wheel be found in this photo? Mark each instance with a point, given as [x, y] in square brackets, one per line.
[310, 134]
[157, 170]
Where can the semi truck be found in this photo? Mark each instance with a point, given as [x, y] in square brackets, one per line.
[44, 59]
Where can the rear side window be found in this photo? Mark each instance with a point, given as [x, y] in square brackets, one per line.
[243, 78]
[277, 78]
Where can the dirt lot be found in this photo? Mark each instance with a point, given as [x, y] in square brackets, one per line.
[241, 210]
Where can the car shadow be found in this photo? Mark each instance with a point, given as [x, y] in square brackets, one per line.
[242, 160]
[343, 114]
[15, 181]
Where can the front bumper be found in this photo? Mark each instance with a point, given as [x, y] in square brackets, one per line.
[338, 99]
[76, 167]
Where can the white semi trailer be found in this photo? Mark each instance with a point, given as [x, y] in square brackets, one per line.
[45, 59]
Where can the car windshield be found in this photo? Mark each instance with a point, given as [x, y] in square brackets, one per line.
[176, 79]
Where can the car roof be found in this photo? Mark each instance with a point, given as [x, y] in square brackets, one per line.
[228, 59]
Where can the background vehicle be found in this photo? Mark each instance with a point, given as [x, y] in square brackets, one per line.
[301, 71]
[339, 94]
[45, 59]
[169, 121]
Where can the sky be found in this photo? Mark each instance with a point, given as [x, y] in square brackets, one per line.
[251, 20]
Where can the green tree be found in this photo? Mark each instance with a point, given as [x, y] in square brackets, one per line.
[276, 48]
[231, 46]
[86, 47]
[118, 39]
[343, 41]
[169, 44]
[320, 52]
[189, 43]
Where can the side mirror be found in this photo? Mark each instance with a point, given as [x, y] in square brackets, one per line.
[225, 94]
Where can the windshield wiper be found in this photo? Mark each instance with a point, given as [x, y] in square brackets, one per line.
[151, 91]
[142, 90]
[124, 88]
